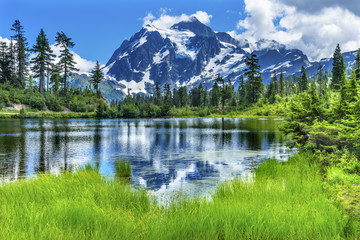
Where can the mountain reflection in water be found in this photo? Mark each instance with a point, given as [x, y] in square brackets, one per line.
[165, 154]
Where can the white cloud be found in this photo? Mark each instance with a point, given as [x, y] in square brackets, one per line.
[316, 33]
[165, 21]
[311, 6]
[7, 41]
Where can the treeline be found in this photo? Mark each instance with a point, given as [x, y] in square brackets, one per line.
[224, 98]
[51, 90]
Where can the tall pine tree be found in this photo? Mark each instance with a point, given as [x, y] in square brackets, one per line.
[282, 86]
[321, 82]
[271, 89]
[357, 65]
[67, 62]
[303, 80]
[5, 63]
[215, 95]
[96, 77]
[55, 79]
[338, 70]
[42, 61]
[19, 49]
[254, 82]
[242, 91]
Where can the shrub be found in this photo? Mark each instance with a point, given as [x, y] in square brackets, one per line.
[4, 97]
[349, 163]
[150, 110]
[77, 106]
[53, 103]
[130, 111]
[36, 102]
[204, 112]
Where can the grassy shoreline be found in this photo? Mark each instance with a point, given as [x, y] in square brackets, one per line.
[51, 114]
[282, 201]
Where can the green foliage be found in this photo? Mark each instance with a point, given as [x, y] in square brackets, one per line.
[338, 70]
[254, 82]
[303, 80]
[96, 76]
[53, 103]
[349, 163]
[204, 112]
[42, 61]
[66, 63]
[36, 101]
[76, 105]
[150, 110]
[19, 54]
[130, 111]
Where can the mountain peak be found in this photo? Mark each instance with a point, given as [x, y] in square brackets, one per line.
[190, 52]
[268, 44]
[195, 26]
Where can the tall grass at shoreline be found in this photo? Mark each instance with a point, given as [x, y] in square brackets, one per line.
[281, 201]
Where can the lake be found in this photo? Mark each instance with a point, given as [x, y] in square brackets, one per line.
[167, 155]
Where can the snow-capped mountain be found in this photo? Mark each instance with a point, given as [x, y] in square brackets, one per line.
[189, 53]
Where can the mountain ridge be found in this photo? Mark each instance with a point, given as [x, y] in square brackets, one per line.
[190, 52]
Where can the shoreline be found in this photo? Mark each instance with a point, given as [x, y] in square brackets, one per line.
[84, 115]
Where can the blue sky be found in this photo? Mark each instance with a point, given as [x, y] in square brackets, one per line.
[99, 27]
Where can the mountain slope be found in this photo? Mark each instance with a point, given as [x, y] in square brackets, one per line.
[190, 52]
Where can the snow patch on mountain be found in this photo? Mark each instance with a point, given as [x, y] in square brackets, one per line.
[137, 87]
[158, 58]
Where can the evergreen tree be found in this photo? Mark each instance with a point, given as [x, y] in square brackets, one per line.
[344, 101]
[183, 96]
[271, 89]
[176, 101]
[303, 80]
[67, 62]
[196, 96]
[157, 94]
[225, 90]
[205, 100]
[168, 95]
[275, 82]
[42, 61]
[5, 63]
[215, 95]
[338, 70]
[357, 65]
[55, 79]
[282, 90]
[129, 98]
[353, 88]
[242, 91]
[96, 77]
[19, 49]
[201, 95]
[254, 82]
[321, 82]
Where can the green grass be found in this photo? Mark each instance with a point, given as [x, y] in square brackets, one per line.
[281, 201]
[345, 189]
[123, 169]
[49, 114]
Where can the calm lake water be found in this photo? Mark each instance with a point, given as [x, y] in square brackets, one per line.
[166, 155]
